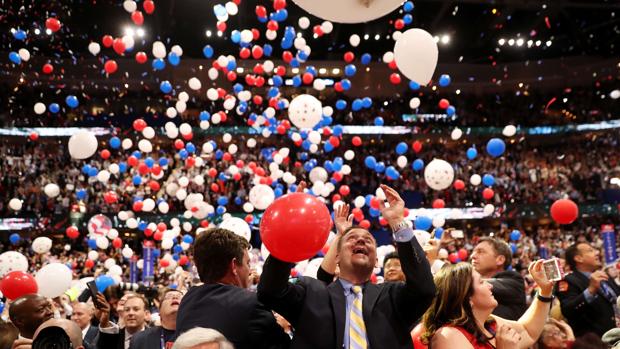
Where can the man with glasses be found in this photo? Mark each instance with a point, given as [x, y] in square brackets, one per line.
[161, 336]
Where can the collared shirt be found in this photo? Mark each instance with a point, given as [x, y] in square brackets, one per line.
[84, 331]
[586, 293]
[350, 296]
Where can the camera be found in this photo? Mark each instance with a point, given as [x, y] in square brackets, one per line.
[52, 337]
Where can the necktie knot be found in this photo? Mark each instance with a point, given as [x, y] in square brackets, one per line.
[356, 289]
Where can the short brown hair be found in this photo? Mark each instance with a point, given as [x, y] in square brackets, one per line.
[163, 292]
[501, 248]
[139, 296]
[213, 251]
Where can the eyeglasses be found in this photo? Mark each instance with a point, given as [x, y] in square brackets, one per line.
[173, 295]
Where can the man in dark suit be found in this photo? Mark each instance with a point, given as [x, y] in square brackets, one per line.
[83, 315]
[161, 336]
[223, 303]
[134, 319]
[586, 296]
[491, 258]
[351, 311]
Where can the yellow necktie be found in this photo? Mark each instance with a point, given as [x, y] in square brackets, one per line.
[357, 328]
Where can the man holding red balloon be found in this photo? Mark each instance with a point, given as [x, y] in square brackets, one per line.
[350, 312]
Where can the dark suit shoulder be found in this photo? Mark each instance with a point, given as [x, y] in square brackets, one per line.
[144, 336]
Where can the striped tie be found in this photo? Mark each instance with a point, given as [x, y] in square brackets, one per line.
[357, 329]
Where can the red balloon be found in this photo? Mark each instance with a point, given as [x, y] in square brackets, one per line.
[564, 211]
[349, 57]
[417, 146]
[139, 125]
[463, 254]
[439, 203]
[399, 24]
[183, 260]
[453, 257]
[395, 78]
[261, 11]
[34, 136]
[307, 78]
[48, 68]
[110, 197]
[149, 6]
[357, 141]
[72, 232]
[488, 193]
[244, 53]
[365, 224]
[444, 104]
[221, 26]
[117, 243]
[257, 52]
[110, 66]
[119, 46]
[295, 227]
[17, 283]
[344, 190]
[164, 262]
[105, 154]
[107, 41]
[459, 184]
[279, 4]
[89, 263]
[52, 24]
[141, 57]
[137, 17]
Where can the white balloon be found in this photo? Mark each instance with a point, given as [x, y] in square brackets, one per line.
[615, 94]
[148, 205]
[237, 226]
[94, 48]
[303, 22]
[261, 196]
[212, 94]
[354, 40]
[171, 112]
[509, 131]
[82, 145]
[52, 190]
[163, 207]
[41, 244]
[113, 168]
[112, 234]
[148, 132]
[318, 174]
[194, 83]
[318, 84]
[185, 129]
[127, 143]
[346, 169]
[251, 143]
[439, 174]
[103, 176]
[115, 270]
[128, 41]
[12, 261]
[326, 26]
[93, 255]
[401, 161]
[414, 103]
[314, 137]
[159, 49]
[181, 194]
[187, 226]
[167, 244]
[123, 215]
[248, 207]
[184, 182]
[213, 74]
[109, 263]
[127, 252]
[24, 54]
[102, 242]
[439, 222]
[349, 154]
[416, 54]
[184, 96]
[132, 223]
[145, 146]
[130, 6]
[388, 57]
[456, 134]
[53, 280]
[348, 11]
[39, 108]
[15, 204]
[231, 8]
[475, 179]
[305, 111]
[176, 49]
[359, 202]
[488, 209]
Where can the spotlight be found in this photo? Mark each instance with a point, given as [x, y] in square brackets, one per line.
[519, 42]
[377, 37]
[548, 43]
[366, 36]
[219, 33]
[129, 31]
[295, 70]
[436, 38]
[445, 39]
[208, 33]
[335, 71]
[48, 31]
[511, 42]
[240, 70]
[538, 43]
[140, 32]
[37, 31]
[501, 42]
[322, 71]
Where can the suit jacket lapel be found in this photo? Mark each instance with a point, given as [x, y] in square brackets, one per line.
[155, 337]
[371, 293]
[339, 307]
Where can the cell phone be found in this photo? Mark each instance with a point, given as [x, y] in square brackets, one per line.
[92, 287]
[553, 270]
[457, 234]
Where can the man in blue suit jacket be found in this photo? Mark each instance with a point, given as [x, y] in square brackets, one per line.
[322, 314]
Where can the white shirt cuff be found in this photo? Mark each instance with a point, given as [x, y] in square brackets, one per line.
[114, 329]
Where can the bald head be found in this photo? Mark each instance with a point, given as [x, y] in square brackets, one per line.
[71, 329]
[28, 312]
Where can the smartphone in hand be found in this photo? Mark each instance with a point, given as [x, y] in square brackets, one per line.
[92, 286]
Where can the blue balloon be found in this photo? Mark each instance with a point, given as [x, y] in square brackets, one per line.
[1, 306]
[207, 51]
[513, 247]
[374, 212]
[401, 148]
[19, 35]
[418, 164]
[190, 147]
[367, 102]
[357, 105]
[379, 121]
[142, 225]
[380, 167]
[122, 167]
[80, 194]
[188, 239]
[137, 180]
[408, 19]
[163, 162]
[159, 64]
[392, 172]
[92, 244]
[14, 57]
[488, 180]
[72, 101]
[54, 108]
[341, 104]
[220, 210]
[222, 201]
[350, 70]
[165, 86]
[423, 223]
[366, 58]
[408, 6]
[444, 80]
[297, 81]
[438, 233]
[92, 172]
[414, 85]
[156, 253]
[103, 282]
[115, 142]
[515, 235]
[472, 153]
[451, 110]
[267, 50]
[176, 249]
[149, 162]
[328, 147]
[235, 36]
[370, 162]
[346, 84]
[278, 192]
[496, 147]
[14, 238]
[174, 59]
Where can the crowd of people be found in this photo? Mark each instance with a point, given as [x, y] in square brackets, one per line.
[421, 299]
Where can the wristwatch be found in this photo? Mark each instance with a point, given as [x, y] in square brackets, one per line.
[399, 226]
[544, 299]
